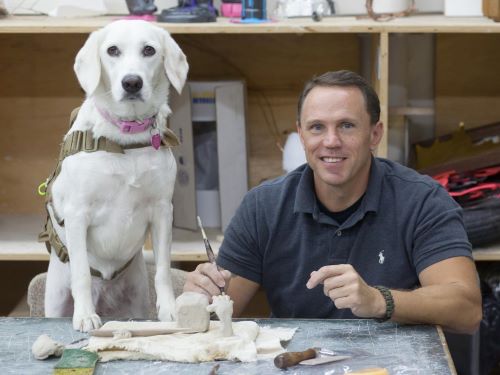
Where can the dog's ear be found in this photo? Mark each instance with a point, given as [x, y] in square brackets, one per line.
[175, 62]
[88, 63]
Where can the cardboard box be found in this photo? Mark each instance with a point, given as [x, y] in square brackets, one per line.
[463, 8]
[491, 9]
[224, 103]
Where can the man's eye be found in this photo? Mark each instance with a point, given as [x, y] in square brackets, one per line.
[316, 127]
[347, 125]
[114, 51]
[148, 51]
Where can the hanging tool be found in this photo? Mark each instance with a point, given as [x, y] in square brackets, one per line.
[208, 248]
[312, 356]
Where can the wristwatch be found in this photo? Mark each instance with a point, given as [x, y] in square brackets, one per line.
[389, 302]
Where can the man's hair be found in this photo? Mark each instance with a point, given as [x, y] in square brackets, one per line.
[344, 78]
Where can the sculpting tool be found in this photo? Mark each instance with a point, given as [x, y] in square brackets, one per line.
[312, 356]
[138, 332]
[371, 371]
[208, 248]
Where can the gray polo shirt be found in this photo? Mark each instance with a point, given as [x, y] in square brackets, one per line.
[278, 236]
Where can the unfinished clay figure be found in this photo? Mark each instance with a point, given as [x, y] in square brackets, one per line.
[44, 347]
[223, 307]
[191, 310]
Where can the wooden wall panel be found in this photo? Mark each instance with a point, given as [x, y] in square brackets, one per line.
[37, 94]
[39, 90]
[275, 68]
[467, 80]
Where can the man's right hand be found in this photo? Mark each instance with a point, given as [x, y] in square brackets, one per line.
[207, 279]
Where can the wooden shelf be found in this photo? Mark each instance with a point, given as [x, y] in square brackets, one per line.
[41, 48]
[19, 233]
[487, 253]
[413, 24]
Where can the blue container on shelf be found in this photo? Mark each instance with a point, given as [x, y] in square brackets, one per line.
[253, 11]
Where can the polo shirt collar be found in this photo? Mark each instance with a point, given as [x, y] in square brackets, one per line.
[305, 198]
[371, 201]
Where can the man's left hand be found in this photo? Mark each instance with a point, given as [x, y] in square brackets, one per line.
[345, 287]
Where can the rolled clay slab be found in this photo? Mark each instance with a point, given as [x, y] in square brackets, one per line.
[249, 343]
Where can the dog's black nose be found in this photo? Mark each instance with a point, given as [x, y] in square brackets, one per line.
[132, 83]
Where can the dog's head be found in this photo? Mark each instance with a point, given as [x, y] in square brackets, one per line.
[130, 60]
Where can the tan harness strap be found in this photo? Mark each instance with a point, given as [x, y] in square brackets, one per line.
[97, 273]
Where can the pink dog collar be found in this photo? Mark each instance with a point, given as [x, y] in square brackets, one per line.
[130, 127]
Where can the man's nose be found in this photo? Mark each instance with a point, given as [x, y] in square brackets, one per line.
[332, 138]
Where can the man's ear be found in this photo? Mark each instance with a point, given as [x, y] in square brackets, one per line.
[377, 131]
[174, 63]
[299, 130]
[88, 63]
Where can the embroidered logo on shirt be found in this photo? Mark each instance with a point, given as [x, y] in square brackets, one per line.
[381, 257]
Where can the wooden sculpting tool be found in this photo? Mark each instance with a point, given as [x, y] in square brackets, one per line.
[371, 371]
[138, 332]
[208, 248]
[312, 356]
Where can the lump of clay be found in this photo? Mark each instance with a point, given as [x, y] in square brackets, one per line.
[223, 307]
[44, 347]
[191, 309]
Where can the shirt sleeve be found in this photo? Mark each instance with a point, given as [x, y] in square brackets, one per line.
[440, 233]
[240, 251]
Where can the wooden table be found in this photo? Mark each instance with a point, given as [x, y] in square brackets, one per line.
[401, 349]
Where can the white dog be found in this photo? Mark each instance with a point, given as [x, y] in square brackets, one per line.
[104, 201]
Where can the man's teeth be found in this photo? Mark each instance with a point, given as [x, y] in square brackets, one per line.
[332, 160]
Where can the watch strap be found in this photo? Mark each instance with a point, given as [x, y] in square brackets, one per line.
[389, 302]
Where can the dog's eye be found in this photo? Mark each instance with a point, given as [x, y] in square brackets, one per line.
[113, 51]
[148, 51]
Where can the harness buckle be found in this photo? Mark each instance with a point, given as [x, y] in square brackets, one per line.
[90, 144]
[76, 142]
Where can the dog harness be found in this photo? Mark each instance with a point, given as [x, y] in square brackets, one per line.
[84, 141]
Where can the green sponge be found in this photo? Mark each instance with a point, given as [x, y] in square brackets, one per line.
[76, 362]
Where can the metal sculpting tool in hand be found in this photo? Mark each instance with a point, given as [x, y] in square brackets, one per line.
[208, 248]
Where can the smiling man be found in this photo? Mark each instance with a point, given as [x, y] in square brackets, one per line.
[348, 235]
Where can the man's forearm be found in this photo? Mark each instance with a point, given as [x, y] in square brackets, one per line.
[452, 306]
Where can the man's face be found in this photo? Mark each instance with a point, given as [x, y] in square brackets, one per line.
[337, 136]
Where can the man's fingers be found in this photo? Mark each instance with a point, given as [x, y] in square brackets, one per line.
[210, 270]
[336, 293]
[314, 280]
[319, 276]
[206, 279]
[341, 302]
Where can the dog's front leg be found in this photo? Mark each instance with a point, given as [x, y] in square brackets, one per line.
[84, 316]
[161, 233]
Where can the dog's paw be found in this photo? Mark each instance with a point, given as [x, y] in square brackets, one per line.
[86, 323]
[166, 315]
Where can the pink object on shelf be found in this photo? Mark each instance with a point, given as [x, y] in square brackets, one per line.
[144, 17]
[232, 10]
